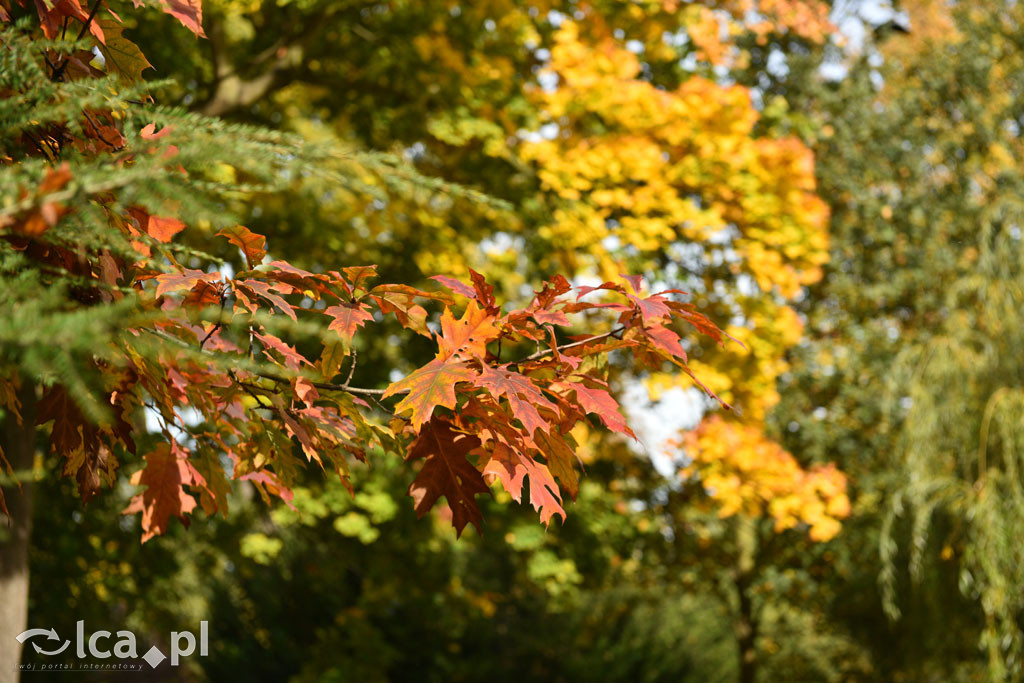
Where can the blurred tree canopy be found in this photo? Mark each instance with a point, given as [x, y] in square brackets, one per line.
[859, 235]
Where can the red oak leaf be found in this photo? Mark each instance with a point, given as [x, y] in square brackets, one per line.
[467, 336]
[522, 395]
[53, 14]
[401, 300]
[162, 229]
[446, 472]
[253, 246]
[560, 458]
[484, 292]
[666, 340]
[652, 307]
[550, 317]
[431, 386]
[188, 12]
[165, 475]
[635, 281]
[601, 403]
[455, 285]
[268, 484]
[348, 318]
[186, 279]
[247, 291]
[292, 358]
[511, 467]
[356, 274]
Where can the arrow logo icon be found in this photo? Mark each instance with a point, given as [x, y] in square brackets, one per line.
[55, 652]
[50, 635]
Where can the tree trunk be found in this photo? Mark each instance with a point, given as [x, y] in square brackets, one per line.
[746, 622]
[18, 443]
[746, 633]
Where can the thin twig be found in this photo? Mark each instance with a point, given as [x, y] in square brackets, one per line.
[384, 408]
[246, 389]
[220, 320]
[352, 390]
[597, 337]
[352, 368]
[53, 67]
[98, 133]
[88, 21]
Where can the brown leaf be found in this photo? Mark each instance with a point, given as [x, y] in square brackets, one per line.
[484, 292]
[560, 458]
[165, 475]
[57, 405]
[446, 472]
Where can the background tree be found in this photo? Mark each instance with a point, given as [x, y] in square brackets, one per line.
[463, 93]
[123, 326]
[907, 376]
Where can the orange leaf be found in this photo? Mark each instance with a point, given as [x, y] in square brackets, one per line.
[356, 274]
[431, 386]
[511, 467]
[600, 403]
[292, 358]
[469, 334]
[166, 472]
[252, 245]
[250, 288]
[348, 318]
[188, 12]
[187, 279]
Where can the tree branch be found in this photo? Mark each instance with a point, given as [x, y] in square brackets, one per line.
[581, 342]
[230, 90]
[88, 21]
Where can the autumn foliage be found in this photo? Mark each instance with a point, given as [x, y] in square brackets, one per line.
[745, 473]
[208, 350]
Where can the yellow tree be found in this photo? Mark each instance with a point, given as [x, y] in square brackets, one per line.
[679, 182]
[613, 133]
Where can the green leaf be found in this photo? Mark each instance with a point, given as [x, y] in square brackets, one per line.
[122, 56]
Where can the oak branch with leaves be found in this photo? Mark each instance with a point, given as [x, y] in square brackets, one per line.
[113, 315]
